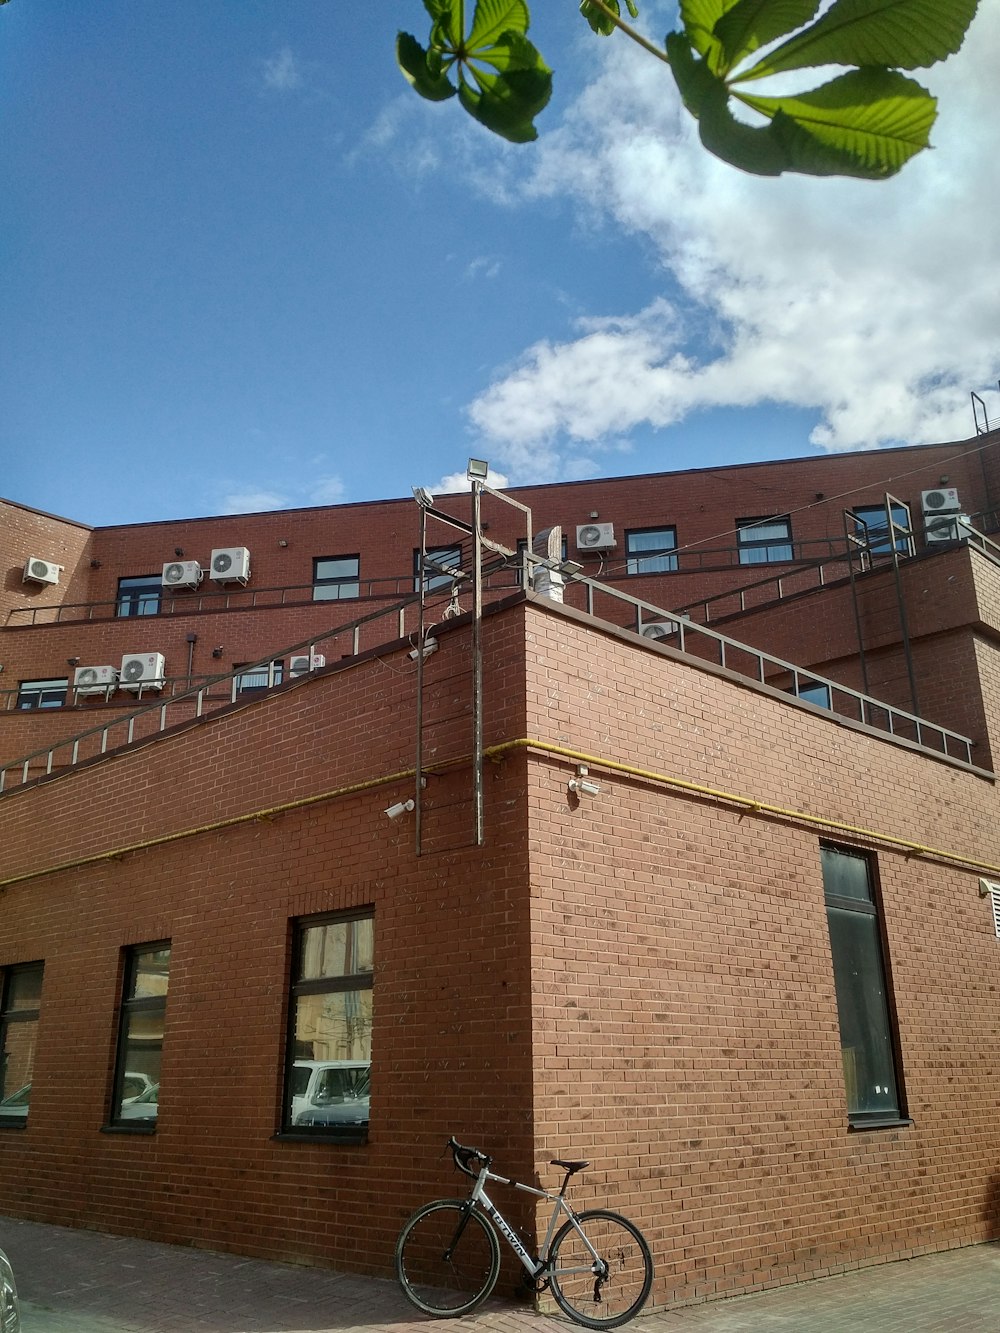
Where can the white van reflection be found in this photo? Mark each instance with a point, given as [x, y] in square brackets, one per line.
[330, 1092]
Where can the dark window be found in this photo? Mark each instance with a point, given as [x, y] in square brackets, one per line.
[649, 551]
[257, 679]
[335, 577]
[437, 560]
[875, 526]
[814, 692]
[866, 1033]
[135, 1097]
[140, 596]
[20, 1000]
[330, 1017]
[41, 693]
[764, 541]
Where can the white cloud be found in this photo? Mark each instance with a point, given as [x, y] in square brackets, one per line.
[458, 481]
[283, 71]
[326, 491]
[873, 304]
[253, 502]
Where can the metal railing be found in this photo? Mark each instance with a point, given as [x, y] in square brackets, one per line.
[698, 642]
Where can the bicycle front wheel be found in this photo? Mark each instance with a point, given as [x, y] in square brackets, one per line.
[447, 1258]
[610, 1289]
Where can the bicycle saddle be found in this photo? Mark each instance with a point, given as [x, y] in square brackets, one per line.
[569, 1166]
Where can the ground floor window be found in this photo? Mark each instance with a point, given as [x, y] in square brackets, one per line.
[330, 1026]
[20, 1001]
[867, 1038]
[136, 1093]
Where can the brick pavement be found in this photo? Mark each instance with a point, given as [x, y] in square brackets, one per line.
[87, 1282]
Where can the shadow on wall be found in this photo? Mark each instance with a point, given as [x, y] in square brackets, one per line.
[991, 1208]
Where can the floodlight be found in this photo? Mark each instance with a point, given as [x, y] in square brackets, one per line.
[478, 469]
[423, 497]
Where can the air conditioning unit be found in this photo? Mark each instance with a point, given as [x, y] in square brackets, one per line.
[141, 671]
[230, 564]
[596, 537]
[659, 629]
[301, 666]
[40, 571]
[95, 679]
[941, 501]
[945, 527]
[182, 574]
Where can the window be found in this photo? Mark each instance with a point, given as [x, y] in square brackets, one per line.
[876, 526]
[330, 1017]
[763, 541]
[135, 1097]
[20, 999]
[522, 546]
[814, 692]
[450, 557]
[257, 679]
[335, 577]
[866, 1035]
[42, 693]
[648, 551]
[139, 596]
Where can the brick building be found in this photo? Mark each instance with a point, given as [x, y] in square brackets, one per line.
[298, 877]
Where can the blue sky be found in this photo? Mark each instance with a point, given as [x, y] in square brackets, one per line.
[244, 267]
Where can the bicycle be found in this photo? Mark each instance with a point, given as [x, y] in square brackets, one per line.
[597, 1264]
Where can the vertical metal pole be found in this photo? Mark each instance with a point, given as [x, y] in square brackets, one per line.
[477, 663]
[418, 793]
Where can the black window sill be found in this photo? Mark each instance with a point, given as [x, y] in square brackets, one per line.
[20, 1123]
[128, 1129]
[861, 1126]
[305, 1136]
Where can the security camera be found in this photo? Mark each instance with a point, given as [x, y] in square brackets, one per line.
[585, 785]
[400, 808]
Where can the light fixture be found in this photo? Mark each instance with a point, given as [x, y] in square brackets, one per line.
[478, 469]
[400, 808]
[423, 497]
[217, 652]
[582, 783]
[192, 638]
[571, 567]
[282, 541]
[178, 551]
[428, 647]
[72, 661]
[95, 564]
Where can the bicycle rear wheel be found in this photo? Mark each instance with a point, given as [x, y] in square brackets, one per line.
[447, 1258]
[610, 1290]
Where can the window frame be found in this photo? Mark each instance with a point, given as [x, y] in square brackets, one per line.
[748, 547]
[866, 528]
[637, 562]
[135, 593]
[25, 694]
[22, 1014]
[128, 1006]
[435, 581]
[871, 909]
[336, 582]
[328, 985]
[272, 673]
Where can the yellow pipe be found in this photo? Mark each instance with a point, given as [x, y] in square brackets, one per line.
[497, 752]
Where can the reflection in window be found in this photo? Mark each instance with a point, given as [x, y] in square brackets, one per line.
[814, 692]
[336, 577]
[438, 560]
[874, 526]
[256, 679]
[135, 1099]
[330, 1041]
[42, 693]
[140, 596]
[764, 541]
[649, 551]
[866, 1036]
[20, 1000]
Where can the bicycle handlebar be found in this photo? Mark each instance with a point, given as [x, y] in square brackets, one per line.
[464, 1156]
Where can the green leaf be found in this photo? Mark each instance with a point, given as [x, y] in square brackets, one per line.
[502, 103]
[751, 24]
[866, 123]
[900, 34]
[597, 18]
[699, 18]
[493, 19]
[423, 70]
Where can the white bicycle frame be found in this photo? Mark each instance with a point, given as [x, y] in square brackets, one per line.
[535, 1267]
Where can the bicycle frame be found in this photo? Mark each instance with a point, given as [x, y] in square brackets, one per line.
[535, 1267]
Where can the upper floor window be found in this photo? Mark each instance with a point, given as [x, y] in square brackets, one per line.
[139, 596]
[874, 526]
[261, 677]
[136, 1094]
[42, 693]
[20, 1001]
[330, 1017]
[859, 973]
[764, 541]
[438, 559]
[650, 551]
[335, 577]
[814, 692]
